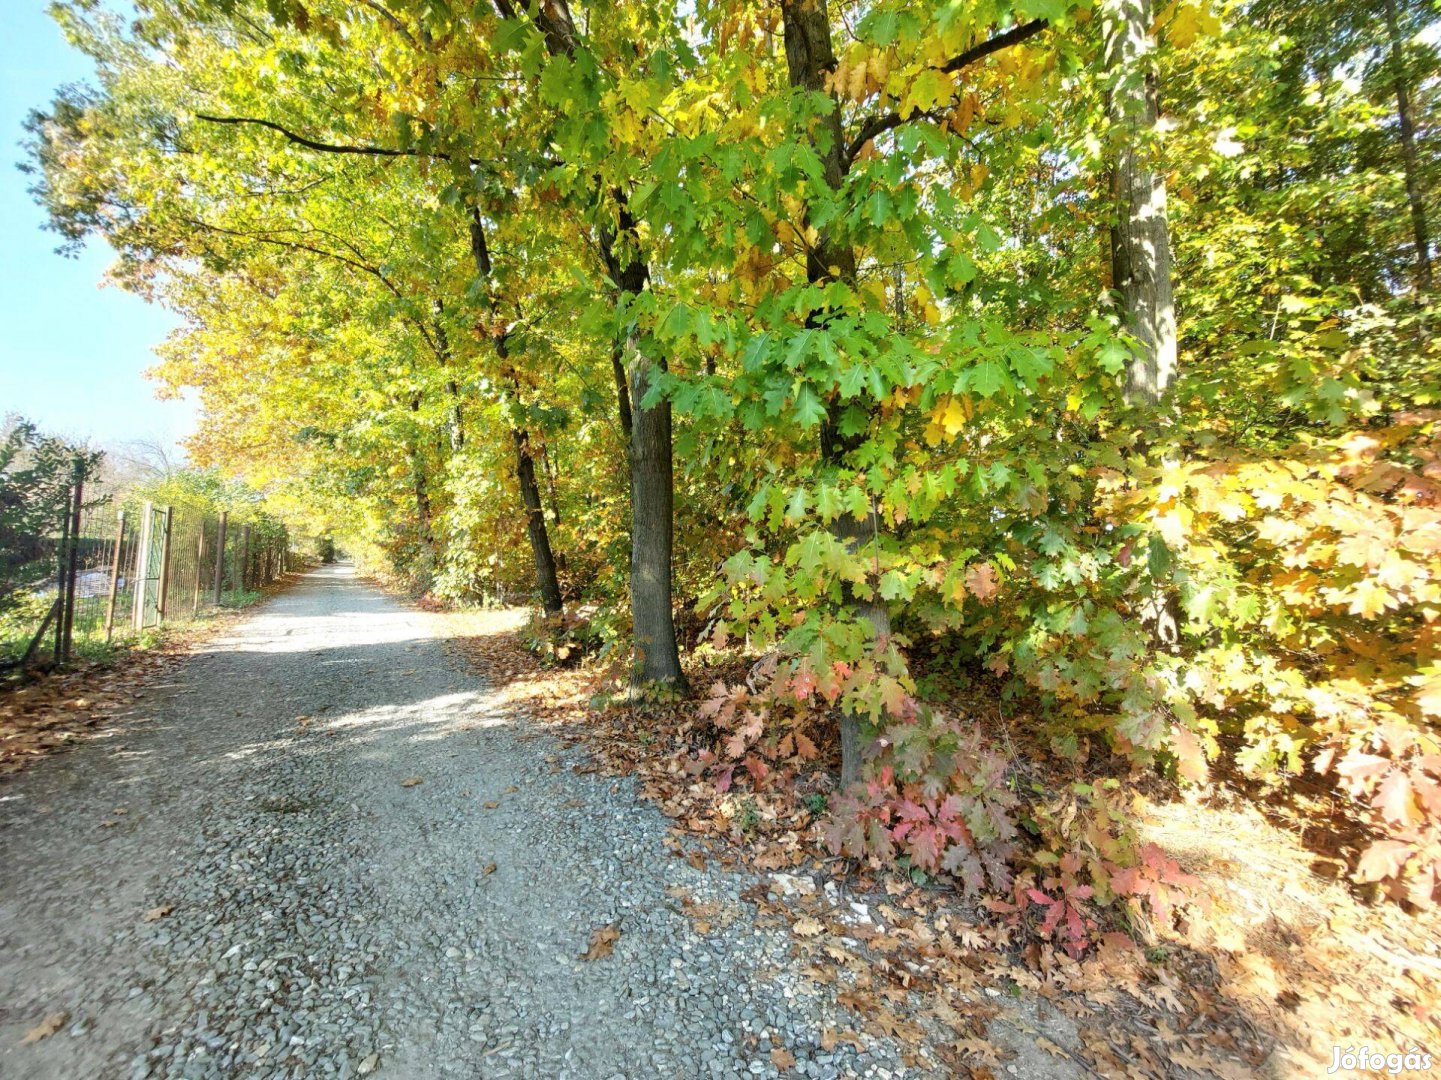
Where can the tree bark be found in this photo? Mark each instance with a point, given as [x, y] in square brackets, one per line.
[422, 495]
[652, 482]
[651, 468]
[1140, 238]
[652, 493]
[545, 574]
[455, 427]
[1420, 234]
[809, 58]
[622, 390]
[546, 581]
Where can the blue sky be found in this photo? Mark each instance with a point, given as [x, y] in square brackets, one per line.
[72, 354]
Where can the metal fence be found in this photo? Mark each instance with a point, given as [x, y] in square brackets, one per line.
[118, 572]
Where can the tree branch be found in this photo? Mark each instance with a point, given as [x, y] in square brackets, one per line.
[314, 144]
[877, 125]
[330, 148]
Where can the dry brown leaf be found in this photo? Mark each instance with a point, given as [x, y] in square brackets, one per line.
[47, 1027]
[1050, 1047]
[489, 869]
[602, 942]
[155, 914]
[411, 781]
[782, 1058]
[490, 805]
[831, 1038]
[805, 926]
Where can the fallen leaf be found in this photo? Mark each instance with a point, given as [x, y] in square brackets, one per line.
[155, 914]
[831, 1038]
[782, 1058]
[47, 1027]
[1050, 1047]
[489, 869]
[411, 781]
[805, 926]
[510, 790]
[490, 805]
[602, 942]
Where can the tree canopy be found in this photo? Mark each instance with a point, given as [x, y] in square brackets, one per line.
[1079, 348]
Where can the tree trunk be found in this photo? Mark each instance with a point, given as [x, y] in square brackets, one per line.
[535, 525]
[422, 496]
[546, 581]
[1420, 234]
[809, 58]
[455, 427]
[622, 389]
[1140, 239]
[651, 469]
[652, 494]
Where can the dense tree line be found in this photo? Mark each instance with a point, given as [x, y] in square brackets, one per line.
[1080, 344]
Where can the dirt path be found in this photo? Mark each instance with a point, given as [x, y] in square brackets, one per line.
[316, 911]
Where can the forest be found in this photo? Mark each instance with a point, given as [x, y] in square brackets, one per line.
[997, 403]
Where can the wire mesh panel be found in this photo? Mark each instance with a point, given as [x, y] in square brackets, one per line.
[185, 564]
[106, 570]
[105, 562]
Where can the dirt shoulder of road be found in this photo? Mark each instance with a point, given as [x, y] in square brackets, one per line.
[1271, 966]
[51, 712]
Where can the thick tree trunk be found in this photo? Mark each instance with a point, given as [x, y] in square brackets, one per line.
[545, 574]
[546, 581]
[1140, 239]
[652, 485]
[809, 58]
[652, 493]
[1420, 234]
[651, 470]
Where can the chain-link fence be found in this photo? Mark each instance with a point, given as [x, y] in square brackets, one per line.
[105, 570]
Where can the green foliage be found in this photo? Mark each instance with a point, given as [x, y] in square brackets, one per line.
[36, 475]
[414, 247]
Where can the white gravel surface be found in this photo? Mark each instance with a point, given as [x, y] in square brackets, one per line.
[327, 920]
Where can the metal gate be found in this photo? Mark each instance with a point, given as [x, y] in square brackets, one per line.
[150, 559]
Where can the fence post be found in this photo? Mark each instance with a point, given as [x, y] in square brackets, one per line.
[220, 557]
[62, 566]
[71, 576]
[114, 575]
[142, 562]
[162, 601]
[199, 570]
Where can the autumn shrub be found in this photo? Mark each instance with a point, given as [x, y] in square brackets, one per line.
[940, 799]
[562, 640]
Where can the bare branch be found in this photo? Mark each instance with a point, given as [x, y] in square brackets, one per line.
[877, 125]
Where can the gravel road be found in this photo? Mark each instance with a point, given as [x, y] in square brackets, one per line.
[277, 896]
